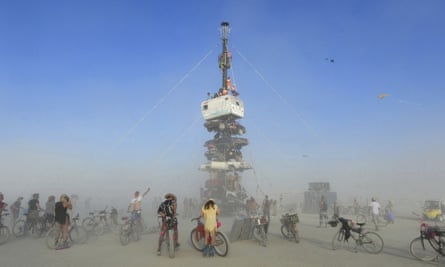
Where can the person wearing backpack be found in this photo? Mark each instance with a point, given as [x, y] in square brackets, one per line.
[167, 210]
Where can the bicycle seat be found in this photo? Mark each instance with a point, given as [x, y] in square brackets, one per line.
[360, 224]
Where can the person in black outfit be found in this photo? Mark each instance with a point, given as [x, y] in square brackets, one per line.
[62, 218]
[33, 207]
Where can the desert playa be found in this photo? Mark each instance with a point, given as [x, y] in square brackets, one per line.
[313, 250]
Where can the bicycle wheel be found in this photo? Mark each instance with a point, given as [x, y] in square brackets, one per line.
[422, 250]
[285, 232]
[197, 240]
[114, 227]
[221, 244]
[259, 234]
[4, 234]
[37, 228]
[78, 235]
[171, 243]
[136, 232]
[124, 235]
[99, 228]
[19, 228]
[338, 241]
[372, 242]
[88, 224]
[52, 238]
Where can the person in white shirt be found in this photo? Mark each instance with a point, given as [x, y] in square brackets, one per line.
[135, 205]
[375, 211]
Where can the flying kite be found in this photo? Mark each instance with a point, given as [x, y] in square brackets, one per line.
[381, 96]
[330, 60]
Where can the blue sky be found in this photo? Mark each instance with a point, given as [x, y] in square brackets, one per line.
[109, 92]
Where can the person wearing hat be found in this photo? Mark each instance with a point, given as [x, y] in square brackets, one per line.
[209, 211]
[167, 210]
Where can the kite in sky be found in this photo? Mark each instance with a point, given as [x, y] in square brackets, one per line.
[381, 96]
[330, 60]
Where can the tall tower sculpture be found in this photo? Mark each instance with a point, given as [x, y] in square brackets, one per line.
[225, 162]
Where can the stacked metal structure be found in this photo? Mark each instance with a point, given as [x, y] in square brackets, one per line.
[225, 164]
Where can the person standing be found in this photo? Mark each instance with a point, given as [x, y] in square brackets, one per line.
[136, 204]
[33, 207]
[266, 213]
[375, 211]
[62, 218]
[15, 209]
[323, 212]
[167, 210]
[3, 204]
[50, 207]
[209, 211]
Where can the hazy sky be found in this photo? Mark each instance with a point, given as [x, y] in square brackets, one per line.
[104, 96]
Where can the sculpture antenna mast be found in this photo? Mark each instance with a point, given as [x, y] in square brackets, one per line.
[225, 59]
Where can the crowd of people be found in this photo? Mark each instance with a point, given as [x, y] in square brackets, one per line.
[58, 212]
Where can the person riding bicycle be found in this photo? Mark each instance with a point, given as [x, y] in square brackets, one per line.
[62, 218]
[136, 204]
[167, 210]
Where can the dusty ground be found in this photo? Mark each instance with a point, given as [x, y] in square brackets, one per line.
[313, 250]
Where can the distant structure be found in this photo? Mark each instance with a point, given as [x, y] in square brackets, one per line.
[225, 163]
[313, 195]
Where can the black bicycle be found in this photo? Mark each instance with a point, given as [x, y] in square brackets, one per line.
[430, 244]
[289, 227]
[76, 234]
[370, 241]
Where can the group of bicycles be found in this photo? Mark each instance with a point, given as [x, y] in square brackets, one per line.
[428, 246]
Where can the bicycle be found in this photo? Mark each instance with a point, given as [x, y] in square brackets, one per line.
[169, 236]
[22, 227]
[101, 222]
[370, 241]
[76, 234]
[4, 230]
[197, 236]
[258, 230]
[289, 227]
[430, 244]
[129, 230]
